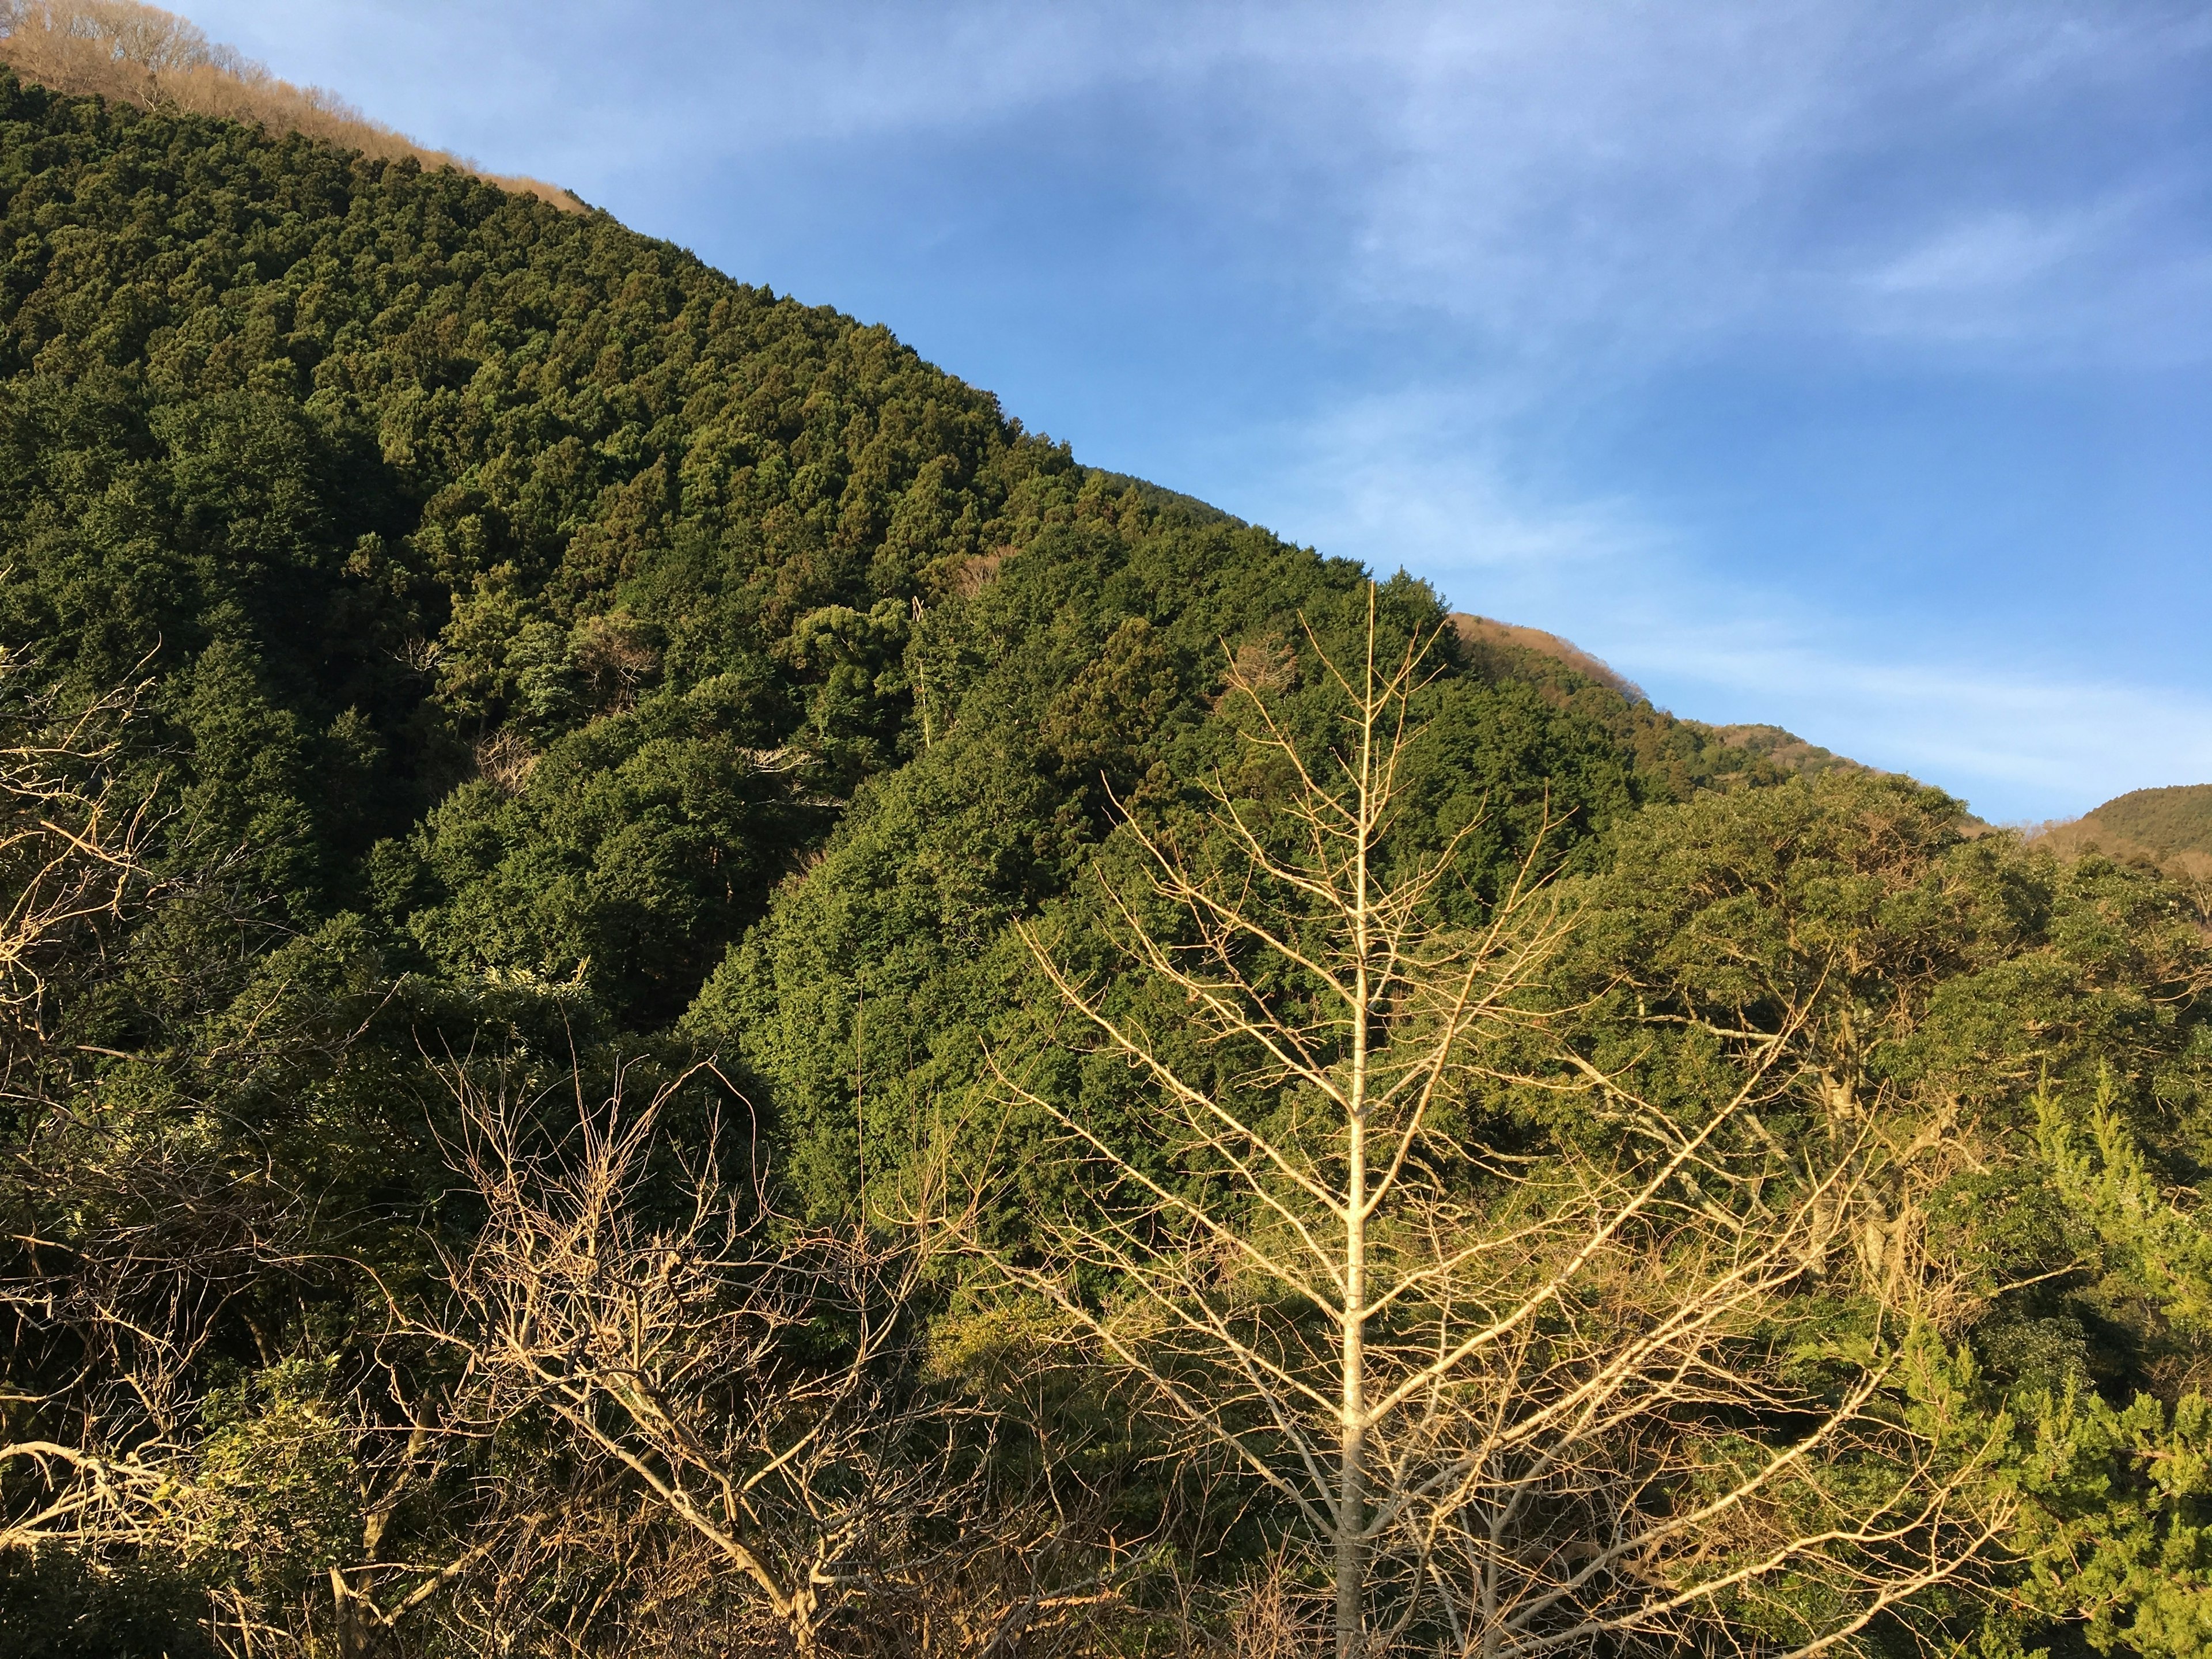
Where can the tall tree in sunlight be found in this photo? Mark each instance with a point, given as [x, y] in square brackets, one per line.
[1525, 1392]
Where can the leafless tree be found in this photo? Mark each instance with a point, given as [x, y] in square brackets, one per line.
[82, 1459]
[127, 1254]
[1527, 1398]
[732, 1406]
[73, 837]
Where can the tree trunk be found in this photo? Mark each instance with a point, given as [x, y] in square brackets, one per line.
[1351, 1472]
[1351, 1548]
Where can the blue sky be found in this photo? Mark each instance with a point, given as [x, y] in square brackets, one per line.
[1842, 365]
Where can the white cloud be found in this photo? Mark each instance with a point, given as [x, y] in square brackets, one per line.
[1635, 179]
[1985, 252]
[1553, 200]
[1561, 178]
[1418, 479]
[2021, 743]
[1426, 480]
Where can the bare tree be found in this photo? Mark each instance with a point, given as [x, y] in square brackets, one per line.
[669, 1407]
[731, 1406]
[89, 1453]
[1552, 1397]
[73, 837]
[129, 1255]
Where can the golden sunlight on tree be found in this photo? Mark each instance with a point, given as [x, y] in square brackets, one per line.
[72, 864]
[71, 839]
[1528, 1386]
[731, 1407]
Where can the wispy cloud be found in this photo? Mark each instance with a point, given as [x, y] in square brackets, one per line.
[2021, 742]
[1421, 478]
[1428, 481]
[1476, 231]
[1986, 252]
[1554, 176]
[1641, 177]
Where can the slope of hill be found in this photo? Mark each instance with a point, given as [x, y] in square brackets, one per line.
[140, 55]
[551, 668]
[397, 481]
[2166, 821]
[2171, 827]
[1762, 752]
[1785, 751]
[1480, 632]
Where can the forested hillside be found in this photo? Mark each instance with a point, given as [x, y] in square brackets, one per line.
[2168, 821]
[2171, 828]
[610, 1048]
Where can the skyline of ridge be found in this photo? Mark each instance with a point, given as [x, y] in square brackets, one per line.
[1841, 367]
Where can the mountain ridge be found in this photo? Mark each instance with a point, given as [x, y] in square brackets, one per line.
[156, 60]
[2170, 827]
[600, 814]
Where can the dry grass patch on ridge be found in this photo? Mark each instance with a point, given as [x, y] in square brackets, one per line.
[141, 55]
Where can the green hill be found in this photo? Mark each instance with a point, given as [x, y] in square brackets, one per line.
[2169, 828]
[2166, 822]
[403, 485]
[467, 662]
[1785, 752]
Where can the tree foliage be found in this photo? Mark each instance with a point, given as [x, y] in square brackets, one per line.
[458, 648]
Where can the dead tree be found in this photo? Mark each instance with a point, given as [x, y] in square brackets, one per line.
[127, 1256]
[73, 839]
[92, 1449]
[750, 1389]
[1526, 1401]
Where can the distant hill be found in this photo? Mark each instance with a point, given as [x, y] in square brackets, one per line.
[1785, 752]
[1477, 632]
[2170, 827]
[2168, 821]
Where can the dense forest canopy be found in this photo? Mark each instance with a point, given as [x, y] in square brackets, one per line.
[467, 662]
